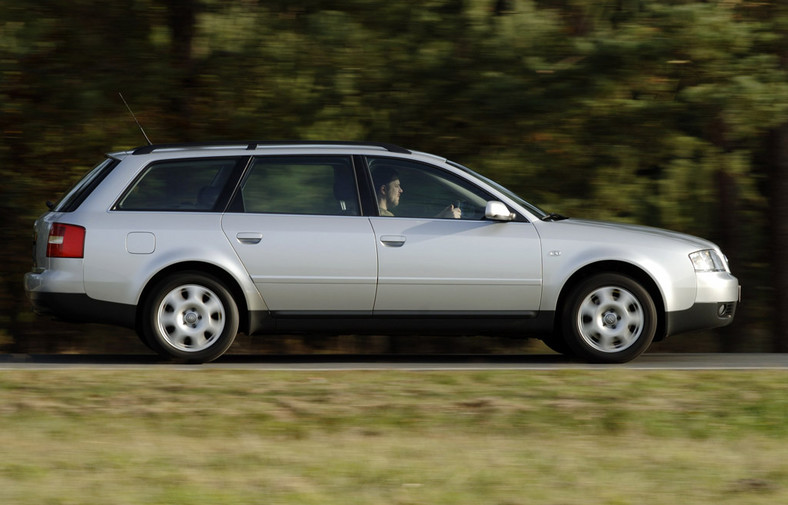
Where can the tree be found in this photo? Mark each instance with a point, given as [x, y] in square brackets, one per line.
[669, 113]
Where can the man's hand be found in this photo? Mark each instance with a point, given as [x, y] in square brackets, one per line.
[451, 212]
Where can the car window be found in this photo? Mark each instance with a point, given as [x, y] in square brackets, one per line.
[506, 191]
[82, 189]
[301, 185]
[424, 190]
[179, 185]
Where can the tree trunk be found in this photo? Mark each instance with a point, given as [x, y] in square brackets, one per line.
[778, 212]
[778, 227]
[729, 237]
[182, 21]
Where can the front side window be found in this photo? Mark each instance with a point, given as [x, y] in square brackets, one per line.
[180, 185]
[506, 191]
[410, 189]
[322, 185]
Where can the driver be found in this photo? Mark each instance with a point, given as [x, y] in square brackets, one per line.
[389, 190]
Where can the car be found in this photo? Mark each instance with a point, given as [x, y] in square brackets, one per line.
[191, 243]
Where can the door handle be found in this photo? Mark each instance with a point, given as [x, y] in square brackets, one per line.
[249, 237]
[392, 240]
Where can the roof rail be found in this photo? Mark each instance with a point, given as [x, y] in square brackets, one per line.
[251, 145]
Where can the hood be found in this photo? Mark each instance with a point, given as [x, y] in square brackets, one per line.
[608, 231]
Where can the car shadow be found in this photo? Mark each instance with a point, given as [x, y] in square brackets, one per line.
[285, 359]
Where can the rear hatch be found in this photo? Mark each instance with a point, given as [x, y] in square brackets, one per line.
[65, 240]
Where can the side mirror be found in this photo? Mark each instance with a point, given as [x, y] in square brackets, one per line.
[498, 211]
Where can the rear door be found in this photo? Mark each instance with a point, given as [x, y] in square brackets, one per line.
[296, 225]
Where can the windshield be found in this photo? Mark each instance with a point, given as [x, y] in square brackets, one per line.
[506, 192]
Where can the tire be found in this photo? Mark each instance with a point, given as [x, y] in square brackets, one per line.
[609, 318]
[190, 316]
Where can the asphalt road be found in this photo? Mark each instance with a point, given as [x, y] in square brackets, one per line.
[750, 361]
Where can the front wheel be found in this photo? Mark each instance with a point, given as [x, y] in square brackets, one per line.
[190, 316]
[609, 318]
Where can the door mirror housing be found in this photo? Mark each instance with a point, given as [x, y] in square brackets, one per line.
[498, 211]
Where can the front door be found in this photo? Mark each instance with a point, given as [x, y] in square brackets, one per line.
[444, 265]
[437, 253]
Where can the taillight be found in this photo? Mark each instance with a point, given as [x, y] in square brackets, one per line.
[66, 241]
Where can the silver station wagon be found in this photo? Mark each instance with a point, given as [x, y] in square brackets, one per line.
[191, 243]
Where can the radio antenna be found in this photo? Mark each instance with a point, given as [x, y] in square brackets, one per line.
[135, 118]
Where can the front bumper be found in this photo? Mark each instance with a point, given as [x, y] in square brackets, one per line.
[700, 316]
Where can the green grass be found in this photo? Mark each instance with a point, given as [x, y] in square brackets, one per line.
[201, 436]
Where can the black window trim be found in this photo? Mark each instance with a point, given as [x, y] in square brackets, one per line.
[365, 186]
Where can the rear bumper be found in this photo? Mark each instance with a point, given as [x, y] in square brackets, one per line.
[77, 307]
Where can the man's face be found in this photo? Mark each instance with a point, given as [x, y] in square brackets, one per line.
[393, 192]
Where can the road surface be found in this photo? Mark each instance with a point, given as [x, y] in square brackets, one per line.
[656, 361]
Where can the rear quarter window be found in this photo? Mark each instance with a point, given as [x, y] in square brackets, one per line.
[181, 185]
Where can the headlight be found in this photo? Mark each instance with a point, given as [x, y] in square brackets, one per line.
[707, 261]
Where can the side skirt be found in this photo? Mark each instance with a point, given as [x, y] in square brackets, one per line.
[524, 324]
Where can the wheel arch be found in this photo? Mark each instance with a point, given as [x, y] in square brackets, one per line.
[222, 275]
[619, 267]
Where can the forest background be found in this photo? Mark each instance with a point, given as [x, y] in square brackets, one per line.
[668, 113]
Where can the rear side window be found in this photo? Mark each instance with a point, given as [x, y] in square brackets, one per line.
[300, 185]
[82, 189]
[181, 185]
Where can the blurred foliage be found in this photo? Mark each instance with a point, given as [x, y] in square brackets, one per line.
[655, 112]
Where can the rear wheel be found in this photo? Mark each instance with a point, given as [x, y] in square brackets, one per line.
[190, 316]
[609, 318]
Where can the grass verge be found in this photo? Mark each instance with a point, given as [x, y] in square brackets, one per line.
[499, 437]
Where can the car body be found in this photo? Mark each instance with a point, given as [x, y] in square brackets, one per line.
[191, 243]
